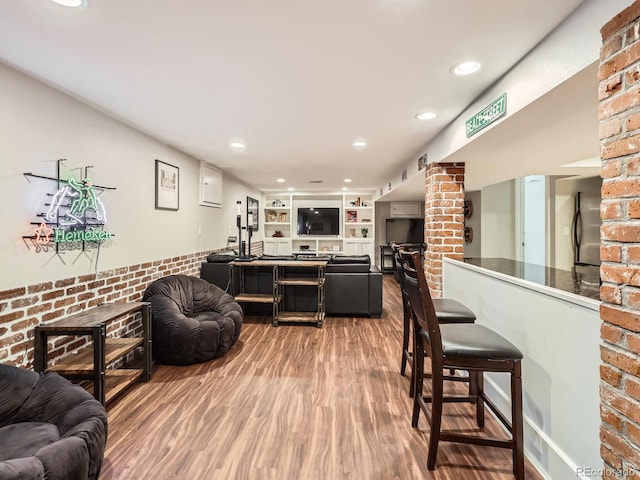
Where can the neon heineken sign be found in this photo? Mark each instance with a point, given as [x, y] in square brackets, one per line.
[83, 199]
[75, 217]
[46, 235]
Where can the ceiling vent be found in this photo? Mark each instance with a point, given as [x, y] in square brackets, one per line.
[316, 181]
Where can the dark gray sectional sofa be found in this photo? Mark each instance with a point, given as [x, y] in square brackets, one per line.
[353, 286]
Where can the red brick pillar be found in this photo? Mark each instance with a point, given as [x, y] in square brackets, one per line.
[619, 96]
[443, 219]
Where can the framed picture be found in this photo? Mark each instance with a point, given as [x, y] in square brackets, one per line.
[167, 186]
[352, 216]
[252, 213]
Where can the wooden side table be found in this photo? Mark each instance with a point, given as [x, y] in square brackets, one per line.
[91, 363]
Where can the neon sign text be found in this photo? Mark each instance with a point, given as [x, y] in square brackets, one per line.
[90, 235]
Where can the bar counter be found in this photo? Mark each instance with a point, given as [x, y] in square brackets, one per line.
[553, 317]
[581, 280]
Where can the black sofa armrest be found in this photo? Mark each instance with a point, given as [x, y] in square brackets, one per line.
[218, 274]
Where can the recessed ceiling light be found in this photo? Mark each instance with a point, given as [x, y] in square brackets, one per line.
[426, 116]
[466, 68]
[237, 145]
[290, 189]
[359, 143]
[347, 180]
[69, 3]
[280, 180]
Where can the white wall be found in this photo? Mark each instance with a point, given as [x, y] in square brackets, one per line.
[559, 336]
[39, 125]
[383, 211]
[498, 221]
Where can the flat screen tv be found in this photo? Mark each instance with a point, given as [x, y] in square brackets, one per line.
[405, 230]
[318, 221]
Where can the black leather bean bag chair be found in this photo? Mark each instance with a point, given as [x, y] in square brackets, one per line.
[49, 428]
[193, 320]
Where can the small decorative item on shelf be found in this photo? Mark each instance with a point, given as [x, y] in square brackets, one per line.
[336, 247]
[277, 203]
[366, 220]
[277, 234]
[365, 232]
[272, 216]
[352, 232]
[352, 216]
[283, 217]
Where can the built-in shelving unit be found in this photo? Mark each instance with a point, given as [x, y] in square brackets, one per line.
[277, 224]
[357, 225]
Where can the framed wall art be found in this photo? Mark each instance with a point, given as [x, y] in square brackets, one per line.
[167, 186]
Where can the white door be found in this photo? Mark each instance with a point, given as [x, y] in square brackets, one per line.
[534, 220]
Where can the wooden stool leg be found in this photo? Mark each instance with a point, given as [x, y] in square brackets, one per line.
[405, 340]
[436, 415]
[417, 378]
[517, 421]
[416, 346]
[480, 401]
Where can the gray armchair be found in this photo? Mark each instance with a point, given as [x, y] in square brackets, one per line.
[49, 428]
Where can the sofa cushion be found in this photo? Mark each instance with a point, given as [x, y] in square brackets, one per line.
[276, 257]
[29, 468]
[22, 440]
[357, 259]
[326, 258]
[221, 257]
[15, 387]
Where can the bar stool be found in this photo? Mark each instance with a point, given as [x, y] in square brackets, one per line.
[447, 311]
[470, 347]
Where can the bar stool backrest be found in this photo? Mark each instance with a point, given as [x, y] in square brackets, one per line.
[421, 303]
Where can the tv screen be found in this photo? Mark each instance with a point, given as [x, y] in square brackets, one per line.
[405, 230]
[318, 221]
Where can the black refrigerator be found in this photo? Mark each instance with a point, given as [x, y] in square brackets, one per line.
[586, 224]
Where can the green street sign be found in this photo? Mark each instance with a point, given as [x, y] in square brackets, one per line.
[486, 116]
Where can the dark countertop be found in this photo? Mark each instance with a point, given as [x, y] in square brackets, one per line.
[581, 280]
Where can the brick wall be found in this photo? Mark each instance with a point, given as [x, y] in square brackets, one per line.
[619, 95]
[24, 307]
[444, 219]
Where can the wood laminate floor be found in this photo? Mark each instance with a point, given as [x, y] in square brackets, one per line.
[293, 402]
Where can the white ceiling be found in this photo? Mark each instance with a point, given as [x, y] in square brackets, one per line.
[297, 80]
[560, 127]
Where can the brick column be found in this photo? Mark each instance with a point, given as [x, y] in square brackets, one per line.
[619, 96]
[443, 219]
